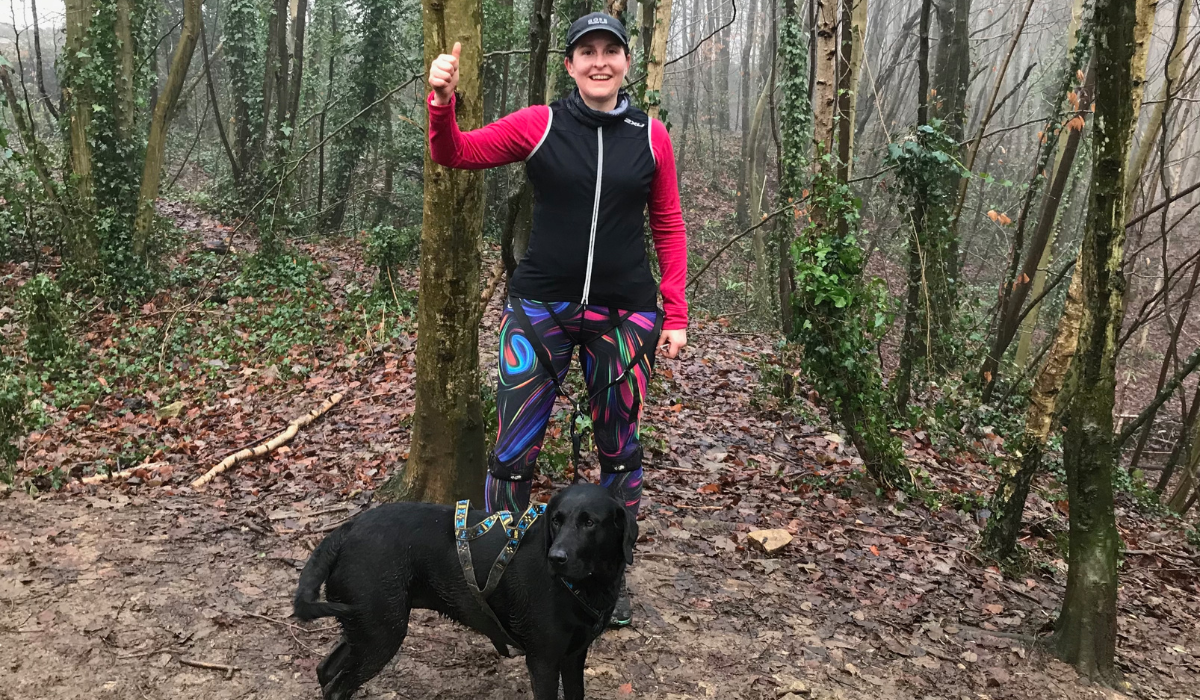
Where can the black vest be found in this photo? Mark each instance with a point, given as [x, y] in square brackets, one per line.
[591, 176]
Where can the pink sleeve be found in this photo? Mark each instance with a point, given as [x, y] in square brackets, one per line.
[508, 140]
[666, 225]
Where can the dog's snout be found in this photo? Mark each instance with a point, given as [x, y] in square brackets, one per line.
[557, 556]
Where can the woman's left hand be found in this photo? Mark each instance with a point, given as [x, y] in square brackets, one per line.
[671, 342]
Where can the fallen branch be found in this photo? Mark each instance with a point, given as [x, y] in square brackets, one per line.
[211, 666]
[275, 443]
[123, 474]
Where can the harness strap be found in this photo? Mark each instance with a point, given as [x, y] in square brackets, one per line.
[462, 538]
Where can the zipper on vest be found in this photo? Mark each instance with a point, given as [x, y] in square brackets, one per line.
[587, 282]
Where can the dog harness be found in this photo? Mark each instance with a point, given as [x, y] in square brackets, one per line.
[463, 534]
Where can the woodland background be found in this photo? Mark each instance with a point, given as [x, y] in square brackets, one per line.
[942, 263]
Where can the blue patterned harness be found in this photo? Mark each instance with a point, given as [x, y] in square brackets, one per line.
[462, 540]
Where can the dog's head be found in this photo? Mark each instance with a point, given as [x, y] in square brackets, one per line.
[589, 533]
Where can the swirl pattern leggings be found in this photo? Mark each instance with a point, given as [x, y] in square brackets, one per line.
[525, 394]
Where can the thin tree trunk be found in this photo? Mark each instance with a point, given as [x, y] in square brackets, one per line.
[1086, 631]
[989, 112]
[1014, 301]
[189, 33]
[1046, 403]
[212, 98]
[446, 455]
[825, 90]
[854, 27]
[741, 205]
[33, 150]
[656, 64]
[515, 238]
[298, 59]
[37, 59]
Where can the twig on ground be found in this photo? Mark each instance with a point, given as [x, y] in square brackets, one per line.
[211, 666]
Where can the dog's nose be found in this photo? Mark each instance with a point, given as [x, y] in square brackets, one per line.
[557, 556]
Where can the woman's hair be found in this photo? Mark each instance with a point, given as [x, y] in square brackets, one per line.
[571, 51]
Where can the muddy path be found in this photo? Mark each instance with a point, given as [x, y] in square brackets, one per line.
[109, 596]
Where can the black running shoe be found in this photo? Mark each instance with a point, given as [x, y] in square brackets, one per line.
[623, 612]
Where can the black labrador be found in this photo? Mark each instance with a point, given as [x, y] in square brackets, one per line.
[554, 599]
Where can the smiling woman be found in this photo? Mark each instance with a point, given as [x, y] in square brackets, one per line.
[596, 163]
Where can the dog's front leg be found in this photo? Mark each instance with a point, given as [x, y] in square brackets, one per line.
[572, 675]
[543, 673]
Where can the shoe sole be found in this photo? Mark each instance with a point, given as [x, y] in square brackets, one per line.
[618, 624]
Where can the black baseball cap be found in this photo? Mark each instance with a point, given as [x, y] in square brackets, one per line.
[597, 21]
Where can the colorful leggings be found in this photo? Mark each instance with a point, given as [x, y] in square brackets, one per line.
[525, 395]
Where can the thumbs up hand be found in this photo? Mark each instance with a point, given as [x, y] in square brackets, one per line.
[443, 75]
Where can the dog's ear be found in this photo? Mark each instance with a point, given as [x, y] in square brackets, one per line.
[548, 516]
[630, 529]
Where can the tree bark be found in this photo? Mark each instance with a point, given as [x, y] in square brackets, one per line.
[854, 27]
[1086, 631]
[37, 61]
[742, 198]
[1046, 403]
[515, 238]
[656, 64]
[1014, 301]
[83, 242]
[446, 456]
[189, 34]
[216, 105]
[126, 107]
[298, 30]
[825, 89]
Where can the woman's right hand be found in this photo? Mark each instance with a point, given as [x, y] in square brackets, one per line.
[443, 75]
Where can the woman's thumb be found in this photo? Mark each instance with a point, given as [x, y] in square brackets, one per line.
[456, 50]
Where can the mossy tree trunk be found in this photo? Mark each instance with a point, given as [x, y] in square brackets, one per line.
[189, 34]
[446, 456]
[1086, 631]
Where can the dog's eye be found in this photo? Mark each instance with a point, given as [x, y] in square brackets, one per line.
[588, 522]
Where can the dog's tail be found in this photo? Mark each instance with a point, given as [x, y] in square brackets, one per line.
[306, 605]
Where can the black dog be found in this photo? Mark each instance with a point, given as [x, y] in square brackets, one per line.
[554, 599]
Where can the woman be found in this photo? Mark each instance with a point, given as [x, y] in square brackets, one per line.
[595, 162]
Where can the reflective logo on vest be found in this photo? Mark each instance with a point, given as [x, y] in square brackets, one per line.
[637, 124]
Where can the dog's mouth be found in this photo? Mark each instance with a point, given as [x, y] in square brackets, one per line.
[572, 571]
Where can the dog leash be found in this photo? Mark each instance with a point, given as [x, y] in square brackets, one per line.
[543, 356]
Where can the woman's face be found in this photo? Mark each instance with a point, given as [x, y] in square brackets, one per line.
[598, 65]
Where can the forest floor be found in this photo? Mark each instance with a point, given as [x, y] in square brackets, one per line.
[109, 591]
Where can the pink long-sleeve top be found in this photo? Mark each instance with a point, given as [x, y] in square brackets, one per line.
[568, 189]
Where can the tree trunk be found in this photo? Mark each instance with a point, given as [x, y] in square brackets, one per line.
[189, 34]
[1187, 481]
[515, 238]
[742, 199]
[656, 64]
[298, 30]
[83, 242]
[126, 107]
[446, 456]
[915, 342]
[242, 66]
[376, 25]
[1086, 631]
[723, 59]
[1014, 301]
[853, 25]
[824, 102]
[37, 61]
[1045, 406]
[33, 150]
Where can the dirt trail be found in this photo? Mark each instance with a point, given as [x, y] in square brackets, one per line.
[104, 597]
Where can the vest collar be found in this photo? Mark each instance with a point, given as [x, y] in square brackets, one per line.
[594, 118]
